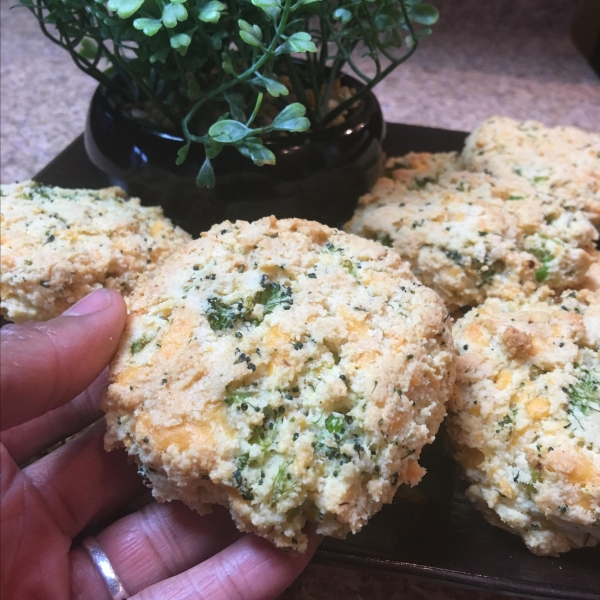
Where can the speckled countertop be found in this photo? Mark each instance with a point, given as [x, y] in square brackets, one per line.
[504, 57]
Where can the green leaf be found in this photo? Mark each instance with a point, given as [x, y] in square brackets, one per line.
[111, 22]
[213, 148]
[424, 33]
[211, 12]
[252, 29]
[160, 56]
[250, 39]
[173, 13]
[275, 88]
[88, 49]
[257, 152]
[298, 42]
[425, 14]
[236, 106]
[180, 42]
[206, 176]
[251, 34]
[194, 92]
[271, 7]
[291, 118]
[227, 64]
[149, 26]
[228, 131]
[343, 15]
[182, 153]
[124, 8]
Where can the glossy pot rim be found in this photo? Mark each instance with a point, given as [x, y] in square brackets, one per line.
[369, 109]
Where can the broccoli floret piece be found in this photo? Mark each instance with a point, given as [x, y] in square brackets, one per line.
[335, 423]
[545, 257]
[585, 394]
[140, 344]
[223, 316]
[238, 396]
[421, 183]
[385, 240]
[272, 295]
[283, 483]
[219, 315]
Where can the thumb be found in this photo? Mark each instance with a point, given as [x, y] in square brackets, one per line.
[45, 365]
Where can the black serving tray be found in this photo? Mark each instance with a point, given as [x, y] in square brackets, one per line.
[431, 531]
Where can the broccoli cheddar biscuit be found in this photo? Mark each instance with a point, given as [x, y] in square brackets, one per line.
[525, 423]
[469, 237]
[58, 245]
[284, 369]
[563, 161]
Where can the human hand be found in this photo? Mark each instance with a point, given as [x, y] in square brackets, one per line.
[162, 551]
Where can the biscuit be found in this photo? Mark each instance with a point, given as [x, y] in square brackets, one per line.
[525, 422]
[468, 236]
[563, 162]
[287, 370]
[58, 245]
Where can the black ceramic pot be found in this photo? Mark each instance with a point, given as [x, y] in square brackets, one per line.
[318, 176]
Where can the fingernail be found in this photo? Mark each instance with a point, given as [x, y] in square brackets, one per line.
[95, 302]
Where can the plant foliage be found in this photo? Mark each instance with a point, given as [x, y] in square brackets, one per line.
[207, 65]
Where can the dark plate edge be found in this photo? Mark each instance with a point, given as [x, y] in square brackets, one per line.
[449, 577]
[48, 168]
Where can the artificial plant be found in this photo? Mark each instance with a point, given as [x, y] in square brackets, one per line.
[209, 65]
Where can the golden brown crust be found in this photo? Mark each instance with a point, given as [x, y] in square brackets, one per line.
[58, 245]
[525, 422]
[468, 236]
[563, 162]
[285, 369]
[592, 277]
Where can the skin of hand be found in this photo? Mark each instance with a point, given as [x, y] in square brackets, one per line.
[53, 375]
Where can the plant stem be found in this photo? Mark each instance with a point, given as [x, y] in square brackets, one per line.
[245, 75]
[256, 109]
[367, 88]
[299, 87]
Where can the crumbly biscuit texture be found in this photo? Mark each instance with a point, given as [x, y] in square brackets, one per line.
[468, 236]
[58, 245]
[563, 162]
[592, 278]
[412, 171]
[284, 369]
[525, 422]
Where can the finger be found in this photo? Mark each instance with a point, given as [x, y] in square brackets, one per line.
[81, 482]
[28, 532]
[151, 545]
[45, 365]
[250, 569]
[39, 434]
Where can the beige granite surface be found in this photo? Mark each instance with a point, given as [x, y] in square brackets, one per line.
[509, 57]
